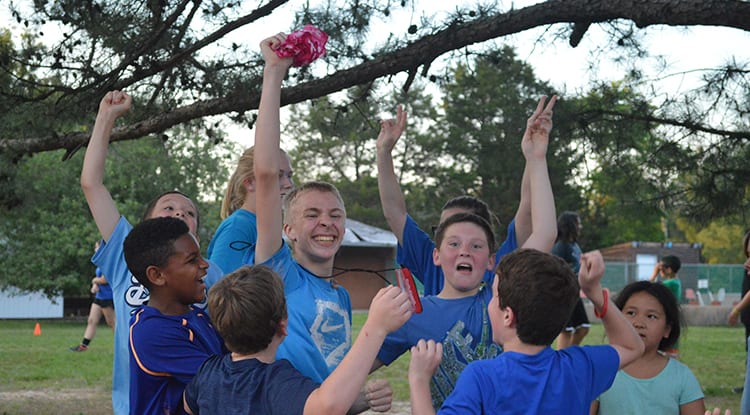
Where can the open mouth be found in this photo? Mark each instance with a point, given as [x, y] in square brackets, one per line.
[325, 238]
[464, 267]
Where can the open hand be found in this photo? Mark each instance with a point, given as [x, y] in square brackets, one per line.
[391, 130]
[538, 127]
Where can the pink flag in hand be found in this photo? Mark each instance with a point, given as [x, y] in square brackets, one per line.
[304, 45]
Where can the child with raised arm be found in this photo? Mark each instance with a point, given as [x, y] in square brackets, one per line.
[533, 295]
[653, 383]
[169, 338]
[237, 232]
[464, 253]
[127, 293]
[415, 246]
[249, 310]
[319, 331]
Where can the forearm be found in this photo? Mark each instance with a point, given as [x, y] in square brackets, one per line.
[544, 223]
[523, 214]
[266, 165]
[92, 173]
[391, 196]
[102, 206]
[421, 400]
[743, 304]
[267, 126]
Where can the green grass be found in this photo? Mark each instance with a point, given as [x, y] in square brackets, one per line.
[79, 383]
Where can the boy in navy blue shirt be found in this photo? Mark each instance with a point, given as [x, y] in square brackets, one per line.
[249, 308]
[169, 339]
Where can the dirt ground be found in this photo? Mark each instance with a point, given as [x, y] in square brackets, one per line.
[91, 401]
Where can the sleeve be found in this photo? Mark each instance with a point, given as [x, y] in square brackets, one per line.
[605, 362]
[691, 389]
[509, 245]
[110, 258]
[163, 347]
[230, 244]
[283, 263]
[192, 390]
[416, 254]
[466, 396]
[394, 345]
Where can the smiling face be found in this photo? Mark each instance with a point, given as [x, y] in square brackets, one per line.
[464, 256]
[316, 226]
[177, 206]
[183, 274]
[647, 315]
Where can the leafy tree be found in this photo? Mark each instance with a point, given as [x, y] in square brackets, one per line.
[49, 236]
[721, 239]
[487, 104]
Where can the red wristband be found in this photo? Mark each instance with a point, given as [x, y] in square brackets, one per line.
[605, 295]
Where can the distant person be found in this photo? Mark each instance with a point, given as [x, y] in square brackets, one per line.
[567, 248]
[127, 293]
[248, 308]
[742, 311]
[533, 295]
[101, 306]
[169, 338]
[238, 232]
[465, 251]
[666, 270]
[654, 383]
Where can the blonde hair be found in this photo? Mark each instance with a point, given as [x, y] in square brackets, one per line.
[234, 195]
[291, 197]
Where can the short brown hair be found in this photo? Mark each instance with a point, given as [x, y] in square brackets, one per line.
[542, 291]
[461, 218]
[247, 307]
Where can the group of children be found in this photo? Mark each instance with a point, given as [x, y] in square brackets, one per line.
[276, 334]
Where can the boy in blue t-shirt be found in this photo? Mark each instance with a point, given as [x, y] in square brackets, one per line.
[464, 252]
[248, 307]
[533, 295]
[169, 338]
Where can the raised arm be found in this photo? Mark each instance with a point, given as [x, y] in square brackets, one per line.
[534, 146]
[425, 359]
[103, 208]
[391, 196]
[389, 310]
[620, 332]
[266, 157]
[655, 273]
[523, 214]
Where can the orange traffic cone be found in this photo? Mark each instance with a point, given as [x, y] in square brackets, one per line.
[37, 330]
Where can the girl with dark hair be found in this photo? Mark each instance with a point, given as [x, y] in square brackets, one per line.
[654, 383]
[566, 247]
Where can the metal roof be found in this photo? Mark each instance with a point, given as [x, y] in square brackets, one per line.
[362, 234]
